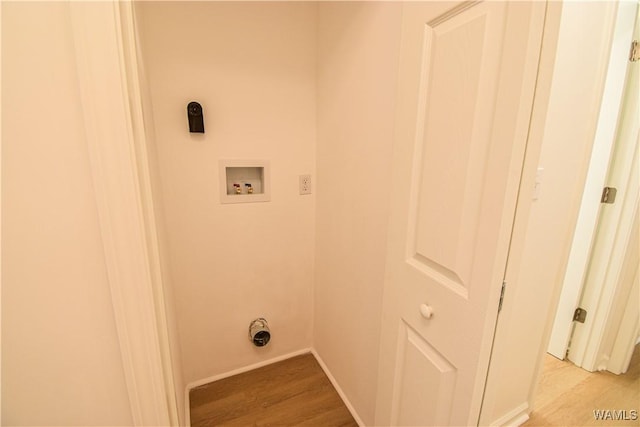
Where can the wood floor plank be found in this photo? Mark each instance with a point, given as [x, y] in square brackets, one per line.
[568, 395]
[288, 393]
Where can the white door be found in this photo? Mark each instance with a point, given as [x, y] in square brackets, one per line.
[608, 276]
[466, 82]
[591, 209]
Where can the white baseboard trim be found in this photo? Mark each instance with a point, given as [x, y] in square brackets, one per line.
[516, 417]
[187, 408]
[242, 370]
[335, 384]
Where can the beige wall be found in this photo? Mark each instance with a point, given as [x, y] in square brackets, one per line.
[60, 355]
[358, 47]
[252, 67]
[530, 300]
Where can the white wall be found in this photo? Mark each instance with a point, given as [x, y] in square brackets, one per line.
[252, 67]
[531, 296]
[61, 362]
[358, 47]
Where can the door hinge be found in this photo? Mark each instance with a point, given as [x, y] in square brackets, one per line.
[634, 55]
[608, 195]
[580, 315]
[504, 286]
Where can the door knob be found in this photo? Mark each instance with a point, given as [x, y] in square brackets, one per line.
[426, 311]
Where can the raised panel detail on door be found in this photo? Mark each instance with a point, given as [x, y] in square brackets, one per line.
[457, 95]
[425, 382]
[466, 81]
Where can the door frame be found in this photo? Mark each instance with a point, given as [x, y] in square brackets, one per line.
[585, 230]
[105, 45]
[614, 228]
[531, 300]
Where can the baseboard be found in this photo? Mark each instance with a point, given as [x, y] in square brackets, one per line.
[227, 374]
[335, 384]
[518, 416]
[187, 408]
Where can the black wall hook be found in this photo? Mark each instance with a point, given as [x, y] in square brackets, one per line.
[196, 120]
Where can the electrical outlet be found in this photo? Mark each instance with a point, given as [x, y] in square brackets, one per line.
[305, 184]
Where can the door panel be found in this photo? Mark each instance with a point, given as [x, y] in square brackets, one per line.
[458, 79]
[426, 379]
[465, 90]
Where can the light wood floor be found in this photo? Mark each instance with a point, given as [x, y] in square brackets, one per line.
[567, 395]
[292, 392]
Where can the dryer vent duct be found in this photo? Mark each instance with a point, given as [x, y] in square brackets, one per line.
[259, 333]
